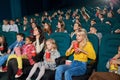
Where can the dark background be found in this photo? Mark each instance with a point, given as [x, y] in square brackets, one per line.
[18, 8]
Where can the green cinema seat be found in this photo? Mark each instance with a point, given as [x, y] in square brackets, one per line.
[63, 41]
[108, 48]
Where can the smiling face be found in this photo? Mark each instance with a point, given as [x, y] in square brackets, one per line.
[36, 32]
[19, 38]
[27, 41]
[49, 45]
[79, 37]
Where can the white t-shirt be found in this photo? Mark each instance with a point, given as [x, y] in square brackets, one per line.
[5, 28]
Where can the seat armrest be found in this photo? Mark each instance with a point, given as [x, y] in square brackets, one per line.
[61, 60]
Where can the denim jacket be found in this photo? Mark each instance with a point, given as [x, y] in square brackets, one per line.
[15, 44]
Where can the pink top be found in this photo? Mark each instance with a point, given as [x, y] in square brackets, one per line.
[30, 51]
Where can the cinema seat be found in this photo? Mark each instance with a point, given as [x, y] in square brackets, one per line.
[91, 64]
[63, 41]
[108, 48]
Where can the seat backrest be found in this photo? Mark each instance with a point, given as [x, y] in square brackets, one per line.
[10, 37]
[103, 28]
[108, 48]
[63, 41]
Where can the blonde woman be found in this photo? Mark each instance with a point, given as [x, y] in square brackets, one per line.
[48, 63]
[81, 51]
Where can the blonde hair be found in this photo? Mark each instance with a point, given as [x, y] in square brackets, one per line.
[52, 41]
[85, 40]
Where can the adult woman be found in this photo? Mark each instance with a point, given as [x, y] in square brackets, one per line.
[82, 52]
[61, 27]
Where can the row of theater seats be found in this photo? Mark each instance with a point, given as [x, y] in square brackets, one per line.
[104, 51]
[63, 41]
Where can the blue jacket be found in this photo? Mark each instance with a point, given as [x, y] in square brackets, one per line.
[16, 44]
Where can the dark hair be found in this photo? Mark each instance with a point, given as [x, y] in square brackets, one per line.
[62, 26]
[49, 30]
[20, 34]
[30, 38]
[41, 38]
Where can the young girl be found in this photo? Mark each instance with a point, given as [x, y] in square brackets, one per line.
[109, 75]
[82, 52]
[115, 61]
[28, 51]
[48, 63]
[3, 45]
[3, 51]
[5, 26]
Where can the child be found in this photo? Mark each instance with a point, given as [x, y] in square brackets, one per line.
[82, 52]
[13, 26]
[28, 51]
[5, 26]
[11, 49]
[48, 63]
[115, 61]
[3, 51]
[3, 45]
[109, 75]
[93, 30]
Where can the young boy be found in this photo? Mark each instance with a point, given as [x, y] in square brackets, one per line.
[27, 52]
[11, 49]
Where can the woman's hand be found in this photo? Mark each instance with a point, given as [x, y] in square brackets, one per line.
[71, 46]
[78, 50]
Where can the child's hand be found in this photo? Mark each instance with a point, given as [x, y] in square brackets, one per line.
[8, 51]
[17, 51]
[113, 61]
[49, 60]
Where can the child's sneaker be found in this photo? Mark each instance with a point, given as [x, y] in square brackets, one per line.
[19, 73]
[3, 69]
